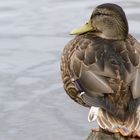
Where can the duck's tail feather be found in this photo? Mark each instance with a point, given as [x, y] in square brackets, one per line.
[93, 101]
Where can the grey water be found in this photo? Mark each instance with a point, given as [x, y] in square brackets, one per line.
[33, 33]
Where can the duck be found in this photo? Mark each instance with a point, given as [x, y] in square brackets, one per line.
[100, 70]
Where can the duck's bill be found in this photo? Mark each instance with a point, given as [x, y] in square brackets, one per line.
[86, 28]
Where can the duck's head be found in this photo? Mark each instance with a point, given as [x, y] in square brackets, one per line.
[107, 21]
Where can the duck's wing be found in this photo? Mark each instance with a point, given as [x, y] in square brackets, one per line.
[82, 73]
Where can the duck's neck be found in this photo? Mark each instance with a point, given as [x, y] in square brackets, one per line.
[112, 34]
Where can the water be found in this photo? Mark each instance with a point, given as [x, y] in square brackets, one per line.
[33, 104]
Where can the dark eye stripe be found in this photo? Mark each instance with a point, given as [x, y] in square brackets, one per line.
[99, 14]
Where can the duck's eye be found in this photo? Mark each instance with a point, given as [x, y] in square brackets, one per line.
[98, 14]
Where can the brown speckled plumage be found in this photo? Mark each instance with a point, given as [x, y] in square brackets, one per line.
[107, 70]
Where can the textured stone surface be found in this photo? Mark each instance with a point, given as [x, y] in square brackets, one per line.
[107, 136]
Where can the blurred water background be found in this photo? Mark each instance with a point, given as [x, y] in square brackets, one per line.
[33, 104]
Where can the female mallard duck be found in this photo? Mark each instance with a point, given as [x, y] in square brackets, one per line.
[101, 69]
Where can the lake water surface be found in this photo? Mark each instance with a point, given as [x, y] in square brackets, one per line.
[33, 104]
